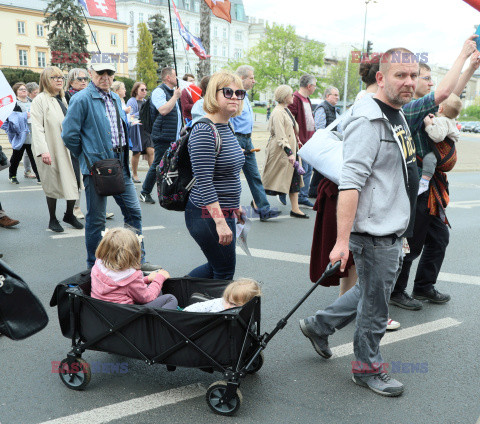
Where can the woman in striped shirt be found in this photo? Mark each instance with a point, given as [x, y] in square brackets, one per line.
[215, 198]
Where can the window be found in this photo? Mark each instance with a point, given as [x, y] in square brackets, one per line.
[196, 6]
[187, 68]
[140, 17]
[224, 51]
[41, 59]
[238, 35]
[113, 39]
[215, 31]
[224, 33]
[238, 54]
[240, 14]
[93, 37]
[215, 50]
[39, 30]
[187, 4]
[21, 27]
[23, 57]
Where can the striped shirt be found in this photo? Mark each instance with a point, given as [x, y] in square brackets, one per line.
[118, 140]
[217, 179]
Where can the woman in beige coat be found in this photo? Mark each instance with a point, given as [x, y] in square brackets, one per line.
[279, 175]
[51, 156]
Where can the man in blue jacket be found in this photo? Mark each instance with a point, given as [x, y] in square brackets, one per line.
[95, 129]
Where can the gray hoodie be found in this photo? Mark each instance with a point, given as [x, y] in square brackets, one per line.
[374, 164]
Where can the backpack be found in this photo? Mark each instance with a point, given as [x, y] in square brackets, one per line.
[145, 115]
[175, 177]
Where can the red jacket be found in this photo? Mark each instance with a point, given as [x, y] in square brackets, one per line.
[298, 111]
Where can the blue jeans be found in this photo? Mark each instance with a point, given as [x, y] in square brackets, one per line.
[221, 259]
[250, 169]
[303, 195]
[151, 177]
[378, 264]
[96, 209]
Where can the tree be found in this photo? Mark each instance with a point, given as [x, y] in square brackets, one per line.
[205, 18]
[66, 38]
[336, 78]
[146, 68]
[273, 56]
[162, 42]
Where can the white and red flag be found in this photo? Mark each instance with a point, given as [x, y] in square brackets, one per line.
[220, 8]
[7, 99]
[103, 8]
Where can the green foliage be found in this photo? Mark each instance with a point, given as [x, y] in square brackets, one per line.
[146, 68]
[336, 78]
[472, 112]
[273, 56]
[13, 75]
[128, 84]
[262, 110]
[162, 42]
[66, 34]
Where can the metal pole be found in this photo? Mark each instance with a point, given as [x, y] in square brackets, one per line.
[363, 42]
[91, 32]
[171, 34]
[345, 85]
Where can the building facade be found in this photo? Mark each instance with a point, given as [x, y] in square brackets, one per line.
[24, 41]
[227, 41]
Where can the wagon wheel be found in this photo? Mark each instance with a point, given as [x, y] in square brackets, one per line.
[257, 364]
[214, 395]
[75, 374]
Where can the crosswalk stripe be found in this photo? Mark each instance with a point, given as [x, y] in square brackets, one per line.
[135, 406]
[406, 333]
[71, 233]
[23, 190]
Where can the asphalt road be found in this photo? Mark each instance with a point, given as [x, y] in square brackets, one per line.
[295, 385]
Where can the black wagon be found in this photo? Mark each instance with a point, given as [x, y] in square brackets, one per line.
[228, 342]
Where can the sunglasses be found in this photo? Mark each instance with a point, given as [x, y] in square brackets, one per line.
[109, 72]
[82, 79]
[228, 93]
[143, 89]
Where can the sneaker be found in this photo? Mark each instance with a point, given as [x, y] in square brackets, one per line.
[109, 215]
[78, 213]
[306, 203]
[283, 199]
[381, 383]
[13, 180]
[136, 180]
[39, 182]
[199, 297]
[433, 295]
[392, 325]
[265, 216]
[73, 221]
[29, 174]
[319, 343]
[146, 198]
[55, 226]
[7, 222]
[148, 267]
[405, 301]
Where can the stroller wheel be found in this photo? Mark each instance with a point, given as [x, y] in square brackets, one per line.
[214, 399]
[75, 374]
[257, 364]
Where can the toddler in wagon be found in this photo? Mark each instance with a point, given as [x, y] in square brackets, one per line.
[116, 275]
[235, 294]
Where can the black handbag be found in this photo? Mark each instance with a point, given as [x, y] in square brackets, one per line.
[21, 313]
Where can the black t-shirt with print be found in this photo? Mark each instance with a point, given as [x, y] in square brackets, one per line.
[401, 129]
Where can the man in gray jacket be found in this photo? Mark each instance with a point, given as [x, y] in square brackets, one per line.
[378, 188]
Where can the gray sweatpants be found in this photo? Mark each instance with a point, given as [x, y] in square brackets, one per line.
[378, 261]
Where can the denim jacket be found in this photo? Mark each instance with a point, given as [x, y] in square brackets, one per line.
[86, 128]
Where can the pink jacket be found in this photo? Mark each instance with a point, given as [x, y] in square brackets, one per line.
[131, 290]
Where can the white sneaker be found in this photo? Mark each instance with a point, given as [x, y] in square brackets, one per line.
[392, 325]
[109, 215]
[78, 213]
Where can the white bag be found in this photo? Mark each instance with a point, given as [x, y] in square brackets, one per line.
[324, 151]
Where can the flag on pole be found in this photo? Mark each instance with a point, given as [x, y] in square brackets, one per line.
[7, 99]
[473, 3]
[192, 42]
[220, 8]
[103, 8]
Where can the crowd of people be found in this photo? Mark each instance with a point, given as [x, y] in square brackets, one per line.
[390, 197]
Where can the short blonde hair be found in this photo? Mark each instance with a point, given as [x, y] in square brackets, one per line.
[117, 85]
[282, 92]
[452, 106]
[241, 291]
[45, 81]
[217, 82]
[119, 249]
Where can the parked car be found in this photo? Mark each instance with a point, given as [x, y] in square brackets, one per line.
[476, 128]
[259, 103]
[469, 125]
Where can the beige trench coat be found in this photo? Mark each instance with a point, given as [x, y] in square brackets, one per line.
[278, 171]
[58, 179]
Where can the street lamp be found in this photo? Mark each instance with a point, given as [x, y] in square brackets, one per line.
[365, 29]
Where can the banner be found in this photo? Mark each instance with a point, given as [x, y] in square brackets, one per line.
[7, 99]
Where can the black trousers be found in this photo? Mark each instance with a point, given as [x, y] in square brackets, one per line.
[314, 182]
[17, 156]
[431, 235]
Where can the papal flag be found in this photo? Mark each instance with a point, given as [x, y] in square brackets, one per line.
[105, 8]
[220, 8]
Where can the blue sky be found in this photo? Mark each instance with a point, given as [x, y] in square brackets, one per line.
[437, 27]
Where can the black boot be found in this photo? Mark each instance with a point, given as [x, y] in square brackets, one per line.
[73, 221]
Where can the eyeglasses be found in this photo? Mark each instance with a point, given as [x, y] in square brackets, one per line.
[109, 72]
[143, 89]
[22, 89]
[428, 79]
[82, 79]
[57, 78]
[228, 93]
